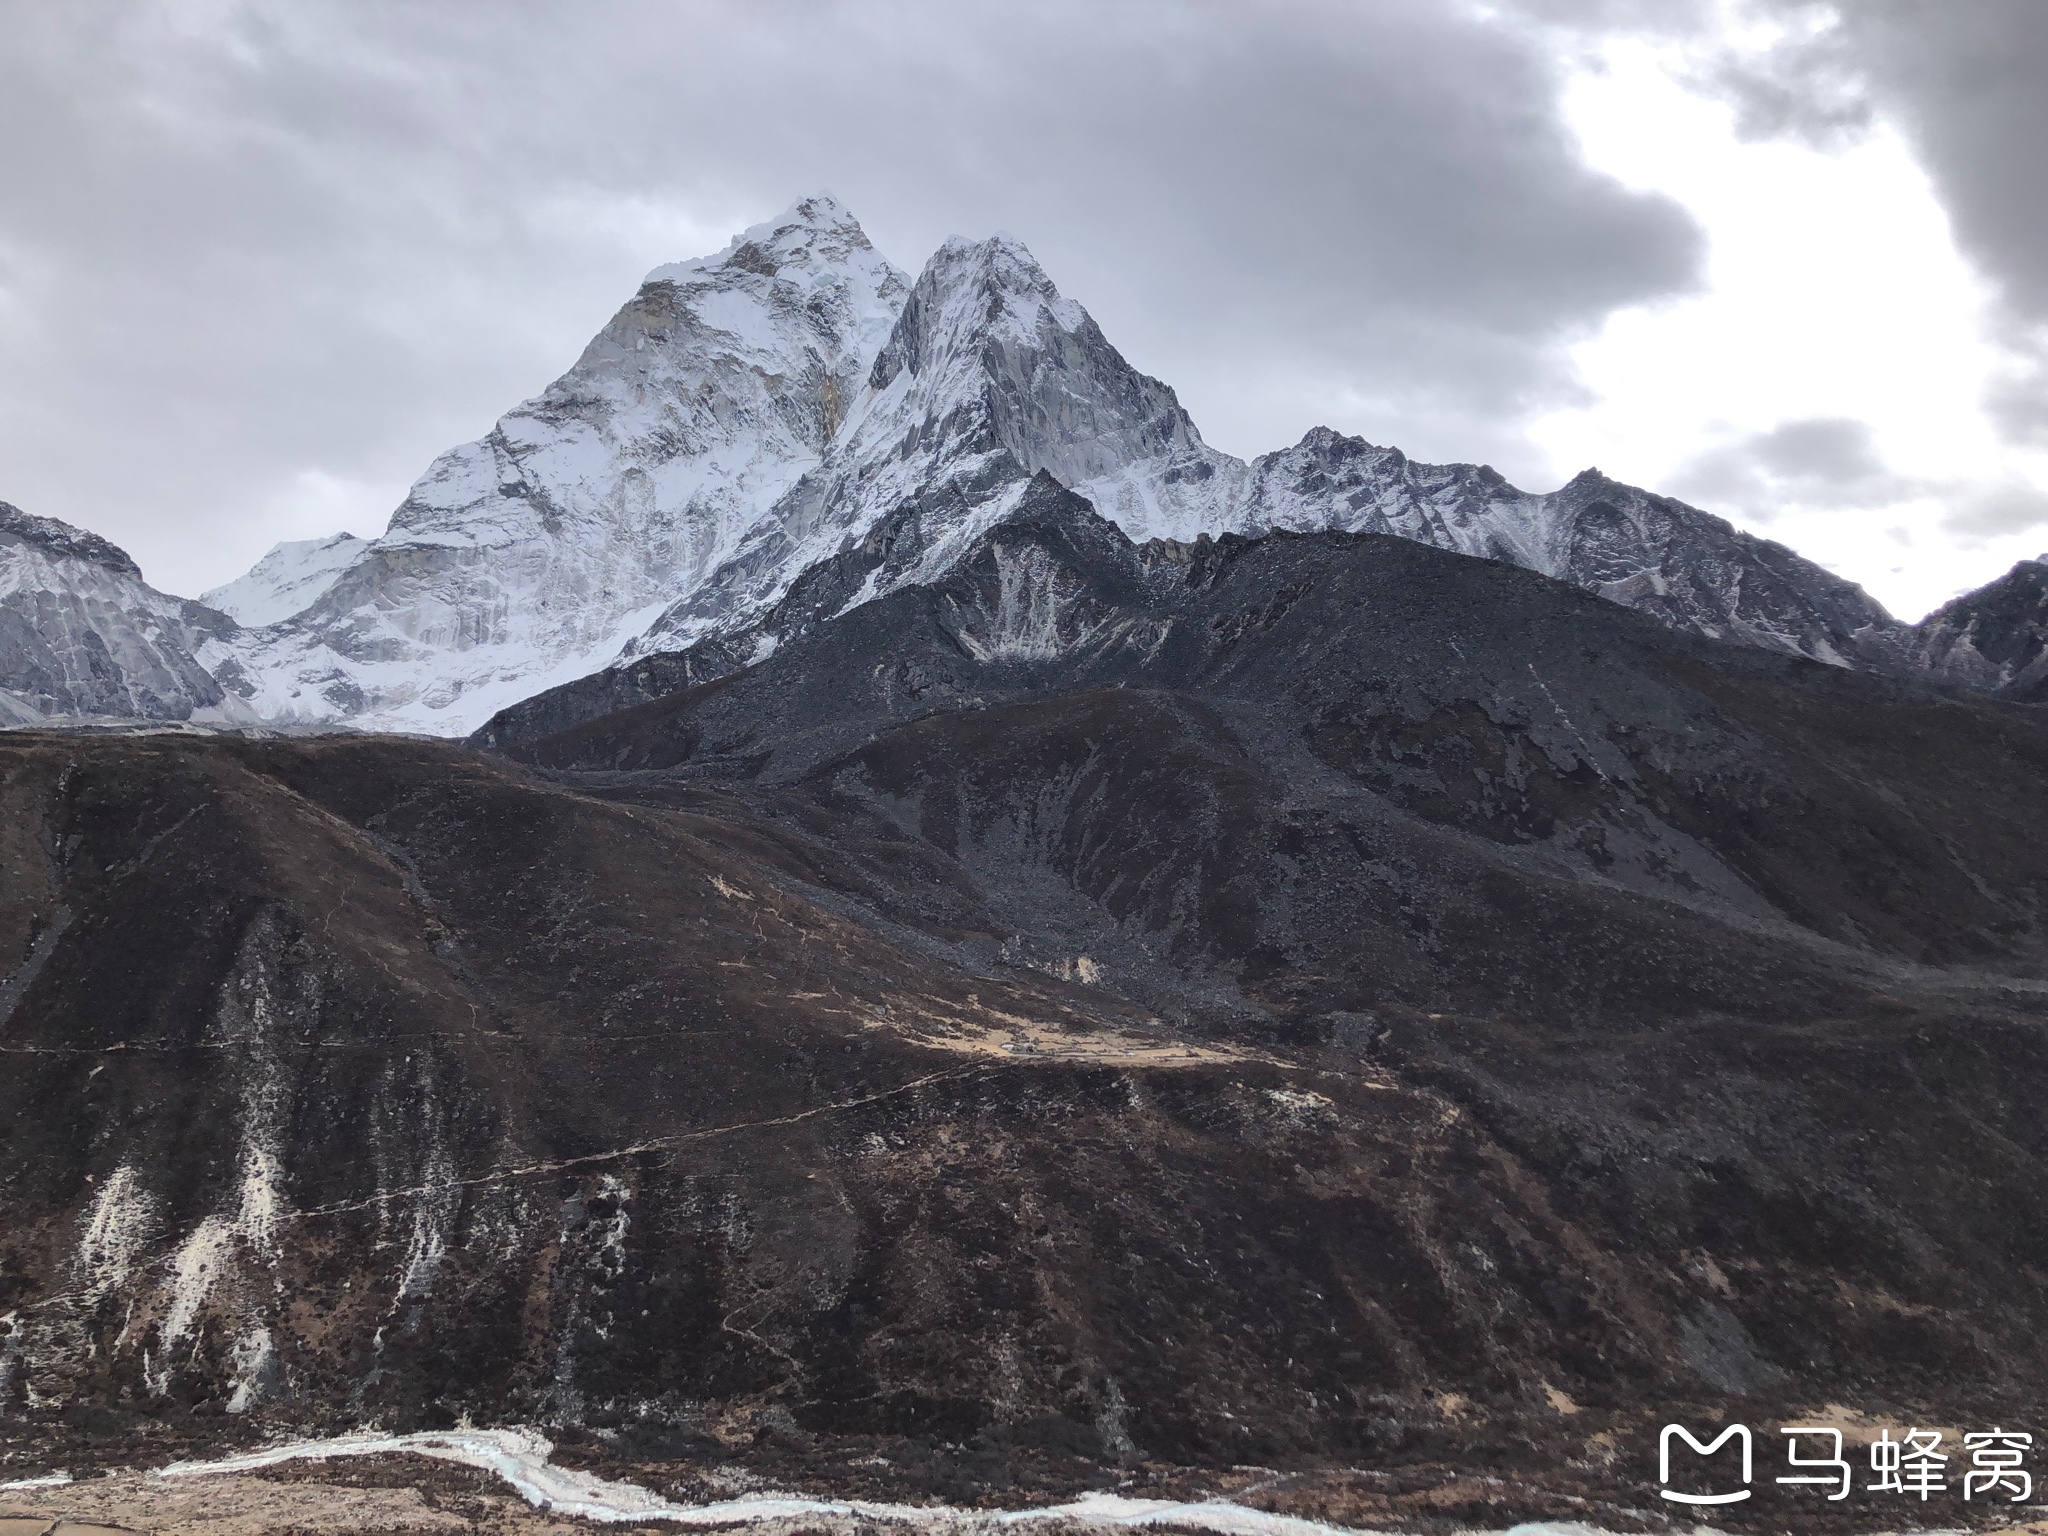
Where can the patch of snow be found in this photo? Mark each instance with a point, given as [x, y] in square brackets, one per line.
[117, 1229]
[254, 1357]
[199, 1262]
[50, 1480]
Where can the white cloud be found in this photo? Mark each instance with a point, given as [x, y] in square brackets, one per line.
[1837, 317]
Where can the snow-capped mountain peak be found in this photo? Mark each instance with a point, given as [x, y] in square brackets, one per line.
[287, 580]
[534, 553]
[985, 322]
[989, 376]
[818, 234]
[973, 294]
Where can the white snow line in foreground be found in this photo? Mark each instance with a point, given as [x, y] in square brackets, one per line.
[520, 1457]
[54, 1480]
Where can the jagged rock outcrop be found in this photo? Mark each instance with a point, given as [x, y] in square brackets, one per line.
[1995, 638]
[81, 633]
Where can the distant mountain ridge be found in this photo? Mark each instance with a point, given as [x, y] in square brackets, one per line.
[992, 376]
[1995, 638]
[82, 634]
[754, 423]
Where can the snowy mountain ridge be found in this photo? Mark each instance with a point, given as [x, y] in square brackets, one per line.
[992, 376]
[82, 634]
[749, 416]
[287, 580]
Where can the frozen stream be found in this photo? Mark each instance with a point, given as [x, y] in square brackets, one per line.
[520, 1457]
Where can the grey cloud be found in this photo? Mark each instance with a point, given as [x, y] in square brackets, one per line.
[1810, 89]
[1827, 461]
[253, 241]
[2018, 403]
[1999, 509]
[1826, 450]
[1966, 82]
[1831, 462]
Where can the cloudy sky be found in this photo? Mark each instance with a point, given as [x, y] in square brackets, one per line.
[260, 262]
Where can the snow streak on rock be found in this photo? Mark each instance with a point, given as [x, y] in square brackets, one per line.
[224, 1265]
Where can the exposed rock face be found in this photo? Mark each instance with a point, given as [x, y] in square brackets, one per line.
[1284, 1001]
[533, 554]
[1995, 638]
[81, 633]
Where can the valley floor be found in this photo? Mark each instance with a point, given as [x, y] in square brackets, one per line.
[518, 1483]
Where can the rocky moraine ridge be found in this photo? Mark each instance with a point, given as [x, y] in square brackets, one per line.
[1061, 961]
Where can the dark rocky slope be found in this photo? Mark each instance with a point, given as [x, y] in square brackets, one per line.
[1995, 638]
[1506, 716]
[1306, 1001]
